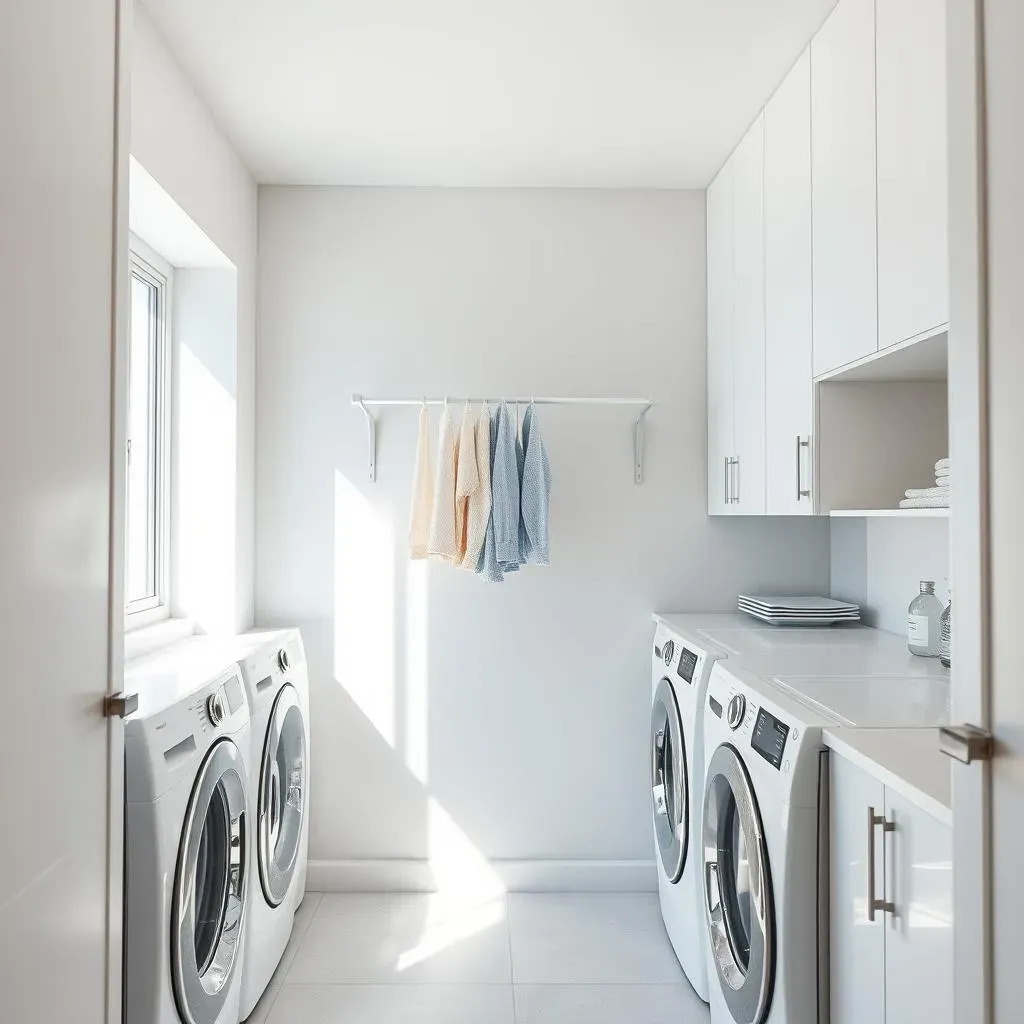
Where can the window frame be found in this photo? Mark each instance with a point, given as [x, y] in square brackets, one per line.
[154, 270]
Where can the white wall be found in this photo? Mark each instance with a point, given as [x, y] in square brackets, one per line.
[451, 717]
[175, 138]
[879, 563]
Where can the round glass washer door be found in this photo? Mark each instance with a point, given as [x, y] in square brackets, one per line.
[670, 783]
[209, 887]
[737, 889]
[282, 800]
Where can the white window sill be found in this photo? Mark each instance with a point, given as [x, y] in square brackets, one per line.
[147, 639]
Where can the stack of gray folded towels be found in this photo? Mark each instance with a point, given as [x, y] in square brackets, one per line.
[931, 497]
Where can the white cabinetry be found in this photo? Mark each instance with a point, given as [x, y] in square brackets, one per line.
[897, 967]
[736, 385]
[748, 338]
[843, 198]
[913, 276]
[721, 424]
[789, 400]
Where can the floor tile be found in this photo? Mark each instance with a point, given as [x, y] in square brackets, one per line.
[609, 1004]
[597, 939]
[394, 1004]
[303, 917]
[367, 938]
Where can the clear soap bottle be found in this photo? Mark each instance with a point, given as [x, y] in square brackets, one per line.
[946, 633]
[923, 617]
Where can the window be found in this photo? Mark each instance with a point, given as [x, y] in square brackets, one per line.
[147, 521]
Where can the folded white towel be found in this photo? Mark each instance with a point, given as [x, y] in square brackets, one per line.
[933, 501]
[942, 464]
[927, 492]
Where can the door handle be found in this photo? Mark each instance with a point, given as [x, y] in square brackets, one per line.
[800, 491]
[736, 463]
[728, 496]
[120, 705]
[966, 743]
[874, 904]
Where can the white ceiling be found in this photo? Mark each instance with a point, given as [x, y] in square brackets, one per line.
[591, 93]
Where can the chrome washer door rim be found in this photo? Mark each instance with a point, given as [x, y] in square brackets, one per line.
[200, 990]
[670, 782]
[746, 987]
[282, 797]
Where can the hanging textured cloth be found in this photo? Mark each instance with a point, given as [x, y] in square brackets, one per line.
[467, 481]
[505, 493]
[535, 494]
[443, 541]
[478, 510]
[487, 567]
[422, 492]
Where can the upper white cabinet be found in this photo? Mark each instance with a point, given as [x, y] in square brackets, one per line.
[913, 277]
[789, 397]
[721, 424]
[894, 963]
[748, 337]
[843, 197]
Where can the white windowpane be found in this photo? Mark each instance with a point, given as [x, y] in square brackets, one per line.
[144, 520]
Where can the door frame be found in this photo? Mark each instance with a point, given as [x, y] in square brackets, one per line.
[120, 290]
[969, 526]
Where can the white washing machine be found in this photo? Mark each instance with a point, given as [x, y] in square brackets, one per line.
[764, 851]
[273, 666]
[187, 855]
[681, 667]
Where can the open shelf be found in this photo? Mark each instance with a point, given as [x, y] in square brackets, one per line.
[889, 513]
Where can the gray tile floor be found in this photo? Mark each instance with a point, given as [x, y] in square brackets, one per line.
[367, 958]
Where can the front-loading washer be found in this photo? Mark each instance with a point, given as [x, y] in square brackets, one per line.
[187, 853]
[276, 678]
[764, 850]
[681, 667]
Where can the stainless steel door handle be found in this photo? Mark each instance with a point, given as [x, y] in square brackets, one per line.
[727, 461]
[874, 904]
[800, 491]
[736, 463]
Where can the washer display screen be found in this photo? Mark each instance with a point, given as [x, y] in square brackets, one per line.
[769, 738]
[687, 665]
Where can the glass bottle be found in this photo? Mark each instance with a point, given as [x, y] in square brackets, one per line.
[946, 633]
[923, 622]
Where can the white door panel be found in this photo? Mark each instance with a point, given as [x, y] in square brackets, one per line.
[913, 193]
[843, 170]
[748, 343]
[57, 208]
[789, 414]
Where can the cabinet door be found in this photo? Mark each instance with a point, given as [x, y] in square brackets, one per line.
[787, 274]
[913, 274]
[919, 933]
[721, 432]
[748, 343]
[857, 953]
[843, 196]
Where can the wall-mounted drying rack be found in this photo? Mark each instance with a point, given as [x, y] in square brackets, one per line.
[644, 405]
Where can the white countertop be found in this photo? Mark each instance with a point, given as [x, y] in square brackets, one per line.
[906, 760]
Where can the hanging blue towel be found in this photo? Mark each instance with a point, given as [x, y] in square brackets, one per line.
[488, 566]
[535, 493]
[505, 493]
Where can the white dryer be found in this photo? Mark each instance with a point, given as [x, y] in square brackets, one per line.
[681, 667]
[187, 856]
[764, 851]
[273, 667]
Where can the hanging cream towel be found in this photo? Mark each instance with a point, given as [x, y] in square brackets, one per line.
[443, 539]
[467, 480]
[422, 493]
[478, 510]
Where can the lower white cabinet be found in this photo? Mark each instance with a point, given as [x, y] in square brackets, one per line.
[891, 934]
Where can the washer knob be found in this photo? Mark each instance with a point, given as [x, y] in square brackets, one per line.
[215, 708]
[282, 660]
[737, 710]
[668, 652]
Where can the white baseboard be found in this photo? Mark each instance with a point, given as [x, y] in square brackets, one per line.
[515, 875]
